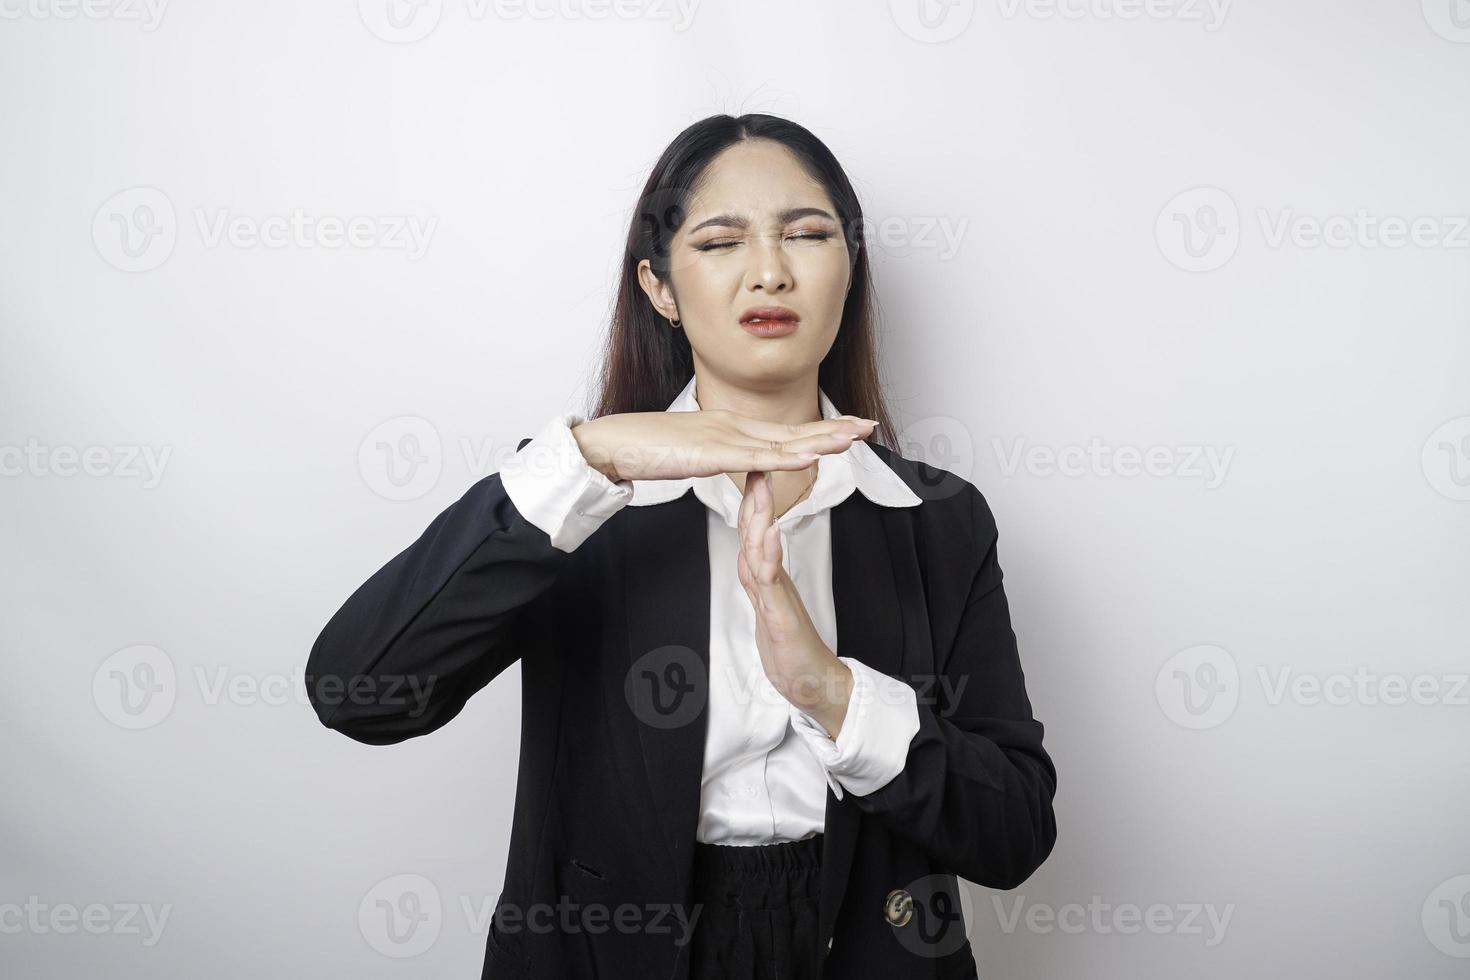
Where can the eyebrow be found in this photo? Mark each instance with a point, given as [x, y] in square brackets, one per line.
[736, 221]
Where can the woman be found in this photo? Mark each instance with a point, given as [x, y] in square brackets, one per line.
[706, 787]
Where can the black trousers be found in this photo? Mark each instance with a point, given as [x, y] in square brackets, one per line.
[759, 911]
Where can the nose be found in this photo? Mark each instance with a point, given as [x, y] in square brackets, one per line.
[769, 268]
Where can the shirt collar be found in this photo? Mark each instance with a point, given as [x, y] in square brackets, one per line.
[838, 475]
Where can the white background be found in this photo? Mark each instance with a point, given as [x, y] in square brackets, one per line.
[1043, 285]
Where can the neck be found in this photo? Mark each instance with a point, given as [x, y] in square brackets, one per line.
[792, 402]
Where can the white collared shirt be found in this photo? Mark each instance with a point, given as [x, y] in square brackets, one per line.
[767, 763]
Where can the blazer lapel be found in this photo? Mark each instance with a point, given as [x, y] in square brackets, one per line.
[869, 542]
[665, 550]
[666, 583]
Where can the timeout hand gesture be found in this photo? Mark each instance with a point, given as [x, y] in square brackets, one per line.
[675, 445]
[796, 660]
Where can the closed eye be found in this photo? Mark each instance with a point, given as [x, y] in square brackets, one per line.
[819, 236]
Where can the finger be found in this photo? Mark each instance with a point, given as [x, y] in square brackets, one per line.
[747, 457]
[803, 445]
[747, 506]
[742, 517]
[726, 457]
[757, 512]
[771, 572]
[830, 442]
[752, 552]
[783, 432]
[767, 534]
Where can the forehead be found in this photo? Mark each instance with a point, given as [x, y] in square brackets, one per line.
[756, 177]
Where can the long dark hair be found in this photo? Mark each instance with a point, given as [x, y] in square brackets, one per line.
[646, 362]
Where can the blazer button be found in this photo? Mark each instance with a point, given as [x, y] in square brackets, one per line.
[898, 907]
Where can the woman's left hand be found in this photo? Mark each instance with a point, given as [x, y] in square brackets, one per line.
[797, 662]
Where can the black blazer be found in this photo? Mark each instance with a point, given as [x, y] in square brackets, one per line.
[607, 797]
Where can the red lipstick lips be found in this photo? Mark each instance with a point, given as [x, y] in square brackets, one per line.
[769, 321]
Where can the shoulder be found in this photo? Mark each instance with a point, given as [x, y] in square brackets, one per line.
[949, 501]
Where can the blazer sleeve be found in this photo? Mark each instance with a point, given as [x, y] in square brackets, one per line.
[976, 789]
[442, 619]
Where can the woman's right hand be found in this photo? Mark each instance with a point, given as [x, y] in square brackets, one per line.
[674, 445]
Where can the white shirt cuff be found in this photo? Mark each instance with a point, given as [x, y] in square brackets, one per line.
[873, 744]
[554, 487]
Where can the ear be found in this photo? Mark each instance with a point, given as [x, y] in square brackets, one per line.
[658, 291]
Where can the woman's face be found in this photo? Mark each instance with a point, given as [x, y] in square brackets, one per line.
[759, 232]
